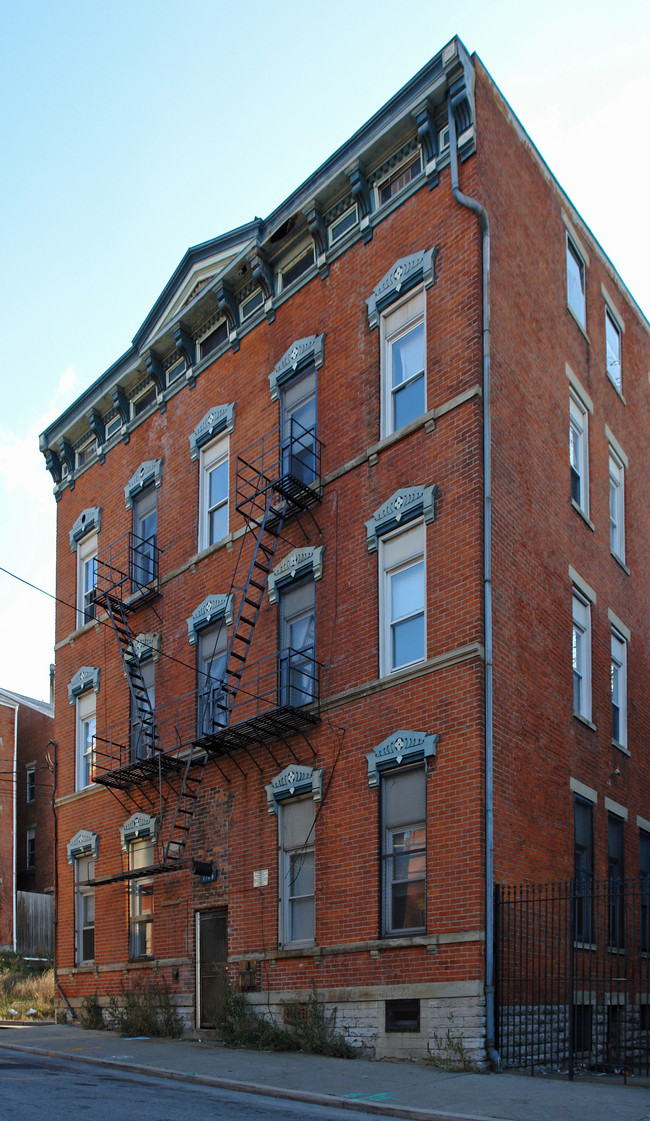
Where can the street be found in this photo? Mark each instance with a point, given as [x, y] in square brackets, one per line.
[35, 1087]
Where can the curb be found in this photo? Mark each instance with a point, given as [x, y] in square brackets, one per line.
[410, 1113]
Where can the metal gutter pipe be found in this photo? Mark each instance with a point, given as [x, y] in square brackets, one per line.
[52, 767]
[15, 828]
[472, 204]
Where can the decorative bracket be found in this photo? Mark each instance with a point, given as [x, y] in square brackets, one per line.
[361, 195]
[157, 374]
[52, 463]
[68, 455]
[121, 403]
[400, 278]
[402, 507]
[229, 310]
[428, 137]
[85, 678]
[220, 418]
[400, 748]
[300, 355]
[98, 430]
[263, 276]
[318, 232]
[185, 347]
[291, 782]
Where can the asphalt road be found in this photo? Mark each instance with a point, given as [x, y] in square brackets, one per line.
[35, 1088]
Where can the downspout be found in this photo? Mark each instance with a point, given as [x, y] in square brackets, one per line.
[472, 204]
[52, 766]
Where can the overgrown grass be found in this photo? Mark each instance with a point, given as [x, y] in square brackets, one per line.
[26, 993]
[146, 1008]
[307, 1027]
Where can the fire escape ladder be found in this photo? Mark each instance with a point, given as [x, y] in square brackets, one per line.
[188, 794]
[142, 710]
[251, 594]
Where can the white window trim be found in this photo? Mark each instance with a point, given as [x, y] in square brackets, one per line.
[581, 620]
[335, 239]
[285, 899]
[85, 713]
[619, 659]
[211, 455]
[579, 424]
[86, 550]
[137, 917]
[388, 336]
[305, 248]
[617, 382]
[617, 532]
[573, 251]
[413, 550]
[30, 769]
[395, 174]
[80, 893]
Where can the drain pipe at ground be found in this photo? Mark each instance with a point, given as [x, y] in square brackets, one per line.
[51, 762]
[472, 204]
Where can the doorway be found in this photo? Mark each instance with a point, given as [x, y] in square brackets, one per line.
[211, 963]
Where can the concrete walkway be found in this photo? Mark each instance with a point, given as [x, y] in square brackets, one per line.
[389, 1088]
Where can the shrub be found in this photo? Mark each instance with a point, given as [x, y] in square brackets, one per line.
[307, 1027]
[23, 989]
[146, 1008]
[314, 1030]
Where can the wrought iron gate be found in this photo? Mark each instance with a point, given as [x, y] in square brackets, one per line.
[573, 976]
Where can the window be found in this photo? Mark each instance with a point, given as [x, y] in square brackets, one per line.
[613, 349]
[403, 364]
[144, 558]
[84, 870]
[402, 599]
[578, 453]
[296, 871]
[31, 850]
[211, 650]
[402, 1015]
[86, 453]
[86, 729]
[298, 424]
[583, 869]
[175, 371]
[616, 506]
[581, 656]
[252, 304]
[141, 900]
[213, 496]
[86, 579]
[146, 397]
[403, 851]
[616, 882]
[575, 280]
[113, 424]
[297, 267]
[619, 688]
[31, 784]
[342, 225]
[644, 888]
[398, 182]
[143, 730]
[297, 644]
[213, 341]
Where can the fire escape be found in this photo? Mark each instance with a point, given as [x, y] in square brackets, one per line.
[158, 765]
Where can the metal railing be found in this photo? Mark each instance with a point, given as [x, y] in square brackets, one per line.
[290, 465]
[573, 976]
[129, 565]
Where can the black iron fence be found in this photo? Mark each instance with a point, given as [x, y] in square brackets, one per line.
[573, 976]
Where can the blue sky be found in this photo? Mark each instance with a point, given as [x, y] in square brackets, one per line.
[132, 130]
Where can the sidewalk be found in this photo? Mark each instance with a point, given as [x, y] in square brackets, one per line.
[406, 1090]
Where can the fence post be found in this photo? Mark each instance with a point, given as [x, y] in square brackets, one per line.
[571, 951]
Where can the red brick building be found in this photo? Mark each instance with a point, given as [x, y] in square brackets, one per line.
[325, 547]
[26, 823]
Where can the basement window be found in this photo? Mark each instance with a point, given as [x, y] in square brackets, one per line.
[402, 1015]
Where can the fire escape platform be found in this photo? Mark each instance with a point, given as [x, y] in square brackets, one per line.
[141, 771]
[276, 724]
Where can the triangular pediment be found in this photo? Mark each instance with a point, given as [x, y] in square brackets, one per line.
[200, 267]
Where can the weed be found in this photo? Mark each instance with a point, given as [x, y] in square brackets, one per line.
[90, 1015]
[448, 1051]
[23, 989]
[146, 1008]
[307, 1027]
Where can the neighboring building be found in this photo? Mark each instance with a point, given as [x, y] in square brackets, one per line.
[327, 673]
[26, 823]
